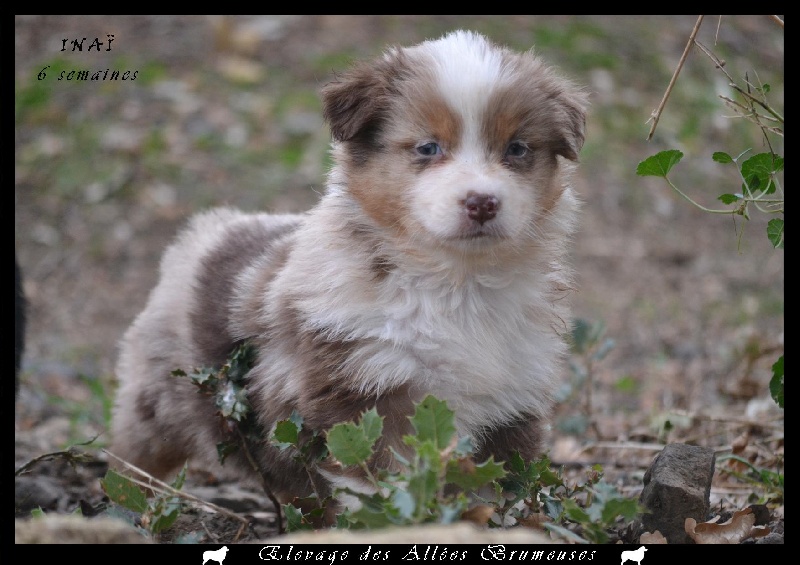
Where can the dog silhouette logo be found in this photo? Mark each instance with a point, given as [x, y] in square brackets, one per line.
[218, 555]
[636, 555]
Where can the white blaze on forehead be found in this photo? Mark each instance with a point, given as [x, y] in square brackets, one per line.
[466, 69]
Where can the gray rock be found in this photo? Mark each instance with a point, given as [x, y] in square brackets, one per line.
[677, 486]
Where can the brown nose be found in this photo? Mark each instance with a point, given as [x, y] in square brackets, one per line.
[481, 207]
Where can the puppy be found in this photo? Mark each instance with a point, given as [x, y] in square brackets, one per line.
[435, 263]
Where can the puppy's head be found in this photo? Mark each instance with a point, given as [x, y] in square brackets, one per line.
[455, 143]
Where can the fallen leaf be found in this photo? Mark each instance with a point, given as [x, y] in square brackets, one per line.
[535, 520]
[738, 528]
[480, 514]
[656, 537]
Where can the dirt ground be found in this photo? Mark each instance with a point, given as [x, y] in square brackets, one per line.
[224, 111]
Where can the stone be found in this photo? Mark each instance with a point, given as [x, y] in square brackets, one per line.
[677, 486]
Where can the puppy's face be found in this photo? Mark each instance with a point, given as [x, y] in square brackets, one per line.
[455, 143]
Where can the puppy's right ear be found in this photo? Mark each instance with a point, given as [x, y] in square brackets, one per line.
[354, 101]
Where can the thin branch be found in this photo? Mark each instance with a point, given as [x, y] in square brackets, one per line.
[71, 454]
[777, 20]
[155, 484]
[656, 115]
[767, 107]
[720, 64]
[700, 206]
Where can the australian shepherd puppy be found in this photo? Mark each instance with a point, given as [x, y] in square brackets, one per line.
[435, 263]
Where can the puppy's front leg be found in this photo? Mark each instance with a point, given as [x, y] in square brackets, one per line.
[524, 435]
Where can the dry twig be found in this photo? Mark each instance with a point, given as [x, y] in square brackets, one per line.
[156, 485]
[656, 115]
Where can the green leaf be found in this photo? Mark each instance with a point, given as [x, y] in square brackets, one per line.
[372, 424]
[285, 434]
[434, 421]
[464, 473]
[565, 533]
[122, 491]
[165, 512]
[728, 198]
[659, 164]
[464, 446]
[575, 512]
[428, 456]
[776, 382]
[516, 463]
[581, 330]
[775, 232]
[722, 157]
[585, 335]
[241, 361]
[423, 486]
[294, 519]
[451, 513]
[627, 508]
[348, 443]
[232, 401]
[553, 507]
[180, 478]
[226, 448]
[375, 512]
[758, 170]
[404, 503]
[205, 378]
[367, 517]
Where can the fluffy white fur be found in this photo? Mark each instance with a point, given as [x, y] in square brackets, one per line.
[435, 263]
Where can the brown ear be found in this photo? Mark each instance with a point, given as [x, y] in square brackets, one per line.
[355, 99]
[572, 117]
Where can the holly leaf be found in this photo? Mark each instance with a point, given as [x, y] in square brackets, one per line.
[349, 444]
[434, 421]
[469, 476]
[124, 492]
[232, 402]
[285, 434]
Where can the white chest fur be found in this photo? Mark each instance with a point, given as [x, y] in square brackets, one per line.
[481, 346]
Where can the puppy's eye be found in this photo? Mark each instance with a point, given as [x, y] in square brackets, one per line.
[429, 149]
[516, 149]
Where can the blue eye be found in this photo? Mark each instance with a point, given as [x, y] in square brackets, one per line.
[516, 149]
[429, 149]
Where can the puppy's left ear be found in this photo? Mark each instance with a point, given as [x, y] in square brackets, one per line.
[574, 103]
